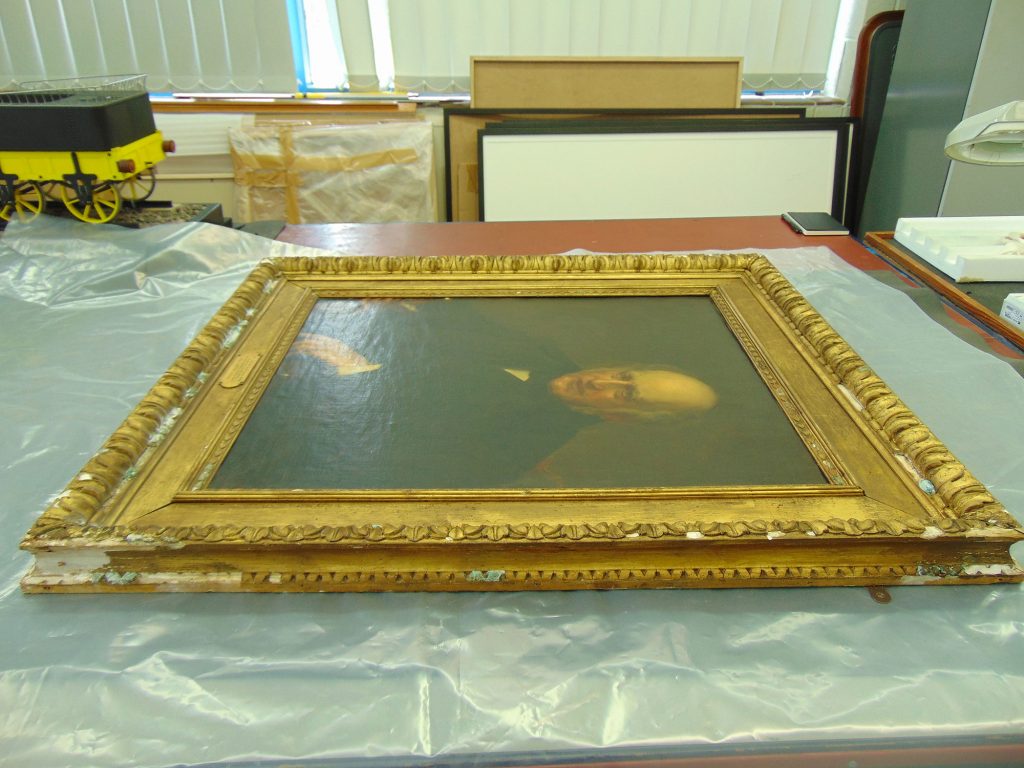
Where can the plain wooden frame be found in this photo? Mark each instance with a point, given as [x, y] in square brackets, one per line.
[605, 82]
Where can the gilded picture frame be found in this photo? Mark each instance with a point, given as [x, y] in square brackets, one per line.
[160, 508]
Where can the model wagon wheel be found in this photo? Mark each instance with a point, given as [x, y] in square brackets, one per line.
[27, 203]
[139, 187]
[101, 203]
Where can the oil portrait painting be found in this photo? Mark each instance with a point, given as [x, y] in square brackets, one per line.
[510, 393]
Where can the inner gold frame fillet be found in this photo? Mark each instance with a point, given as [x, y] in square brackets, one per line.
[898, 508]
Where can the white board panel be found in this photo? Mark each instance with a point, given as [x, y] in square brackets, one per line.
[545, 177]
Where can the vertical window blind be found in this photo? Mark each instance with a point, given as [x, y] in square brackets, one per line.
[785, 44]
[182, 45]
[415, 45]
[361, 50]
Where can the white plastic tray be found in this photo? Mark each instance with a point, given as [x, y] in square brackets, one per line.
[968, 249]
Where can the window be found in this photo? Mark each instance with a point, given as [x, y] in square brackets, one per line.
[411, 45]
[181, 45]
[425, 45]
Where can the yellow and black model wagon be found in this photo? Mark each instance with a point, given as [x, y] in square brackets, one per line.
[88, 142]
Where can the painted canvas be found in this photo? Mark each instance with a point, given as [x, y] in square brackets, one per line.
[517, 392]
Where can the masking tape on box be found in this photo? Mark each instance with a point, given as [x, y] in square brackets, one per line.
[283, 171]
[401, 156]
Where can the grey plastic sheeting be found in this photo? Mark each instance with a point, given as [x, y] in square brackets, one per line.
[91, 315]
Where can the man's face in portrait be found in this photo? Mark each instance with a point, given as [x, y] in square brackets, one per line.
[633, 392]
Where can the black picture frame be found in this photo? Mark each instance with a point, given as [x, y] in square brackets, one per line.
[843, 167]
[624, 114]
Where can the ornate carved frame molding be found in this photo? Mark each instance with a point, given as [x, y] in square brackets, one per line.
[898, 509]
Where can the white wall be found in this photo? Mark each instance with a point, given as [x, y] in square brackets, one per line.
[196, 190]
